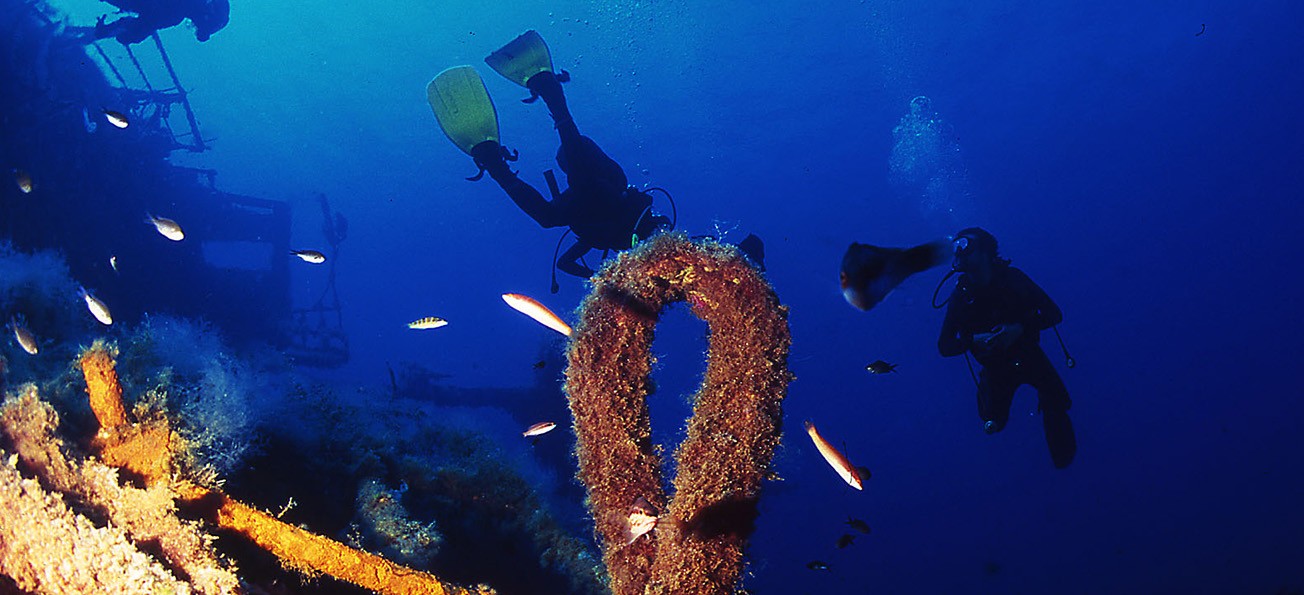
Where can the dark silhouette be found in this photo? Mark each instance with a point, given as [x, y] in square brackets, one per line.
[208, 17]
[997, 313]
[598, 205]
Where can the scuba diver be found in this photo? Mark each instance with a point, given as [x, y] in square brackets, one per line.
[208, 17]
[997, 313]
[598, 206]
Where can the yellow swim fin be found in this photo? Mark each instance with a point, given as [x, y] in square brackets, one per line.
[463, 107]
[522, 58]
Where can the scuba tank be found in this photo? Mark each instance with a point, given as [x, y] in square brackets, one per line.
[630, 193]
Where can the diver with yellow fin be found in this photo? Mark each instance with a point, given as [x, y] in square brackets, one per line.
[599, 206]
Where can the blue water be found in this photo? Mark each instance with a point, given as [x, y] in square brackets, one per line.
[1148, 178]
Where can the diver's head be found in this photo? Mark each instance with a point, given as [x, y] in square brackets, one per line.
[212, 18]
[975, 250]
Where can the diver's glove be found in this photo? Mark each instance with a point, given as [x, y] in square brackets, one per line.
[489, 156]
[546, 84]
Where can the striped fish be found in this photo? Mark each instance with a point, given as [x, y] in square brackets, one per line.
[539, 429]
[427, 323]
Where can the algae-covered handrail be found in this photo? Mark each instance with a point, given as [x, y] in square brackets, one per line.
[697, 545]
[141, 447]
[310, 553]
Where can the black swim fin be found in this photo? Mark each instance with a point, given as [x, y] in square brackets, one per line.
[754, 249]
[869, 273]
[1061, 440]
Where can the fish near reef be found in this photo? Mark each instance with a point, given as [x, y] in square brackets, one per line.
[98, 309]
[311, 256]
[117, 119]
[539, 429]
[642, 520]
[428, 322]
[539, 312]
[166, 227]
[881, 367]
[858, 525]
[24, 181]
[25, 338]
[848, 472]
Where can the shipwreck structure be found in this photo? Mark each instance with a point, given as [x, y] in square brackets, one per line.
[78, 183]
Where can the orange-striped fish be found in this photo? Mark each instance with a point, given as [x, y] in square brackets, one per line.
[835, 459]
[540, 313]
[539, 429]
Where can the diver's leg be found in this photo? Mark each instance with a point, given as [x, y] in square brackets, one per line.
[569, 262]
[584, 159]
[1054, 402]
[995, 395]
[546, 85]
[489, 155]
[1052, 395]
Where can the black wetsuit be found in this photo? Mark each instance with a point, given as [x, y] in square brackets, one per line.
[597, 205]
[1011, 297]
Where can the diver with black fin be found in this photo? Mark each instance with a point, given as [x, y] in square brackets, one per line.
[598, 205]
[997, 313]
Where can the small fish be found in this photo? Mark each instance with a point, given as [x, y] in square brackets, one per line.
[642, 520]
[835, 459]
[846, 540]
[312, 256]
[24, 181]
[97, 308]
[539, 429]
[817, 565]
[113, 263]
[428, 323]
[539, 365]
[540, 313]
[858, 525]
[118, 119]
[24, 337]
[881, 367]
[166, 227]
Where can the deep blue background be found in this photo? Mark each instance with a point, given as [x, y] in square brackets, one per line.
[1147, 178]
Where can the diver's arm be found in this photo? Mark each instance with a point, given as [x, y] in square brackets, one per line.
[953, 341]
